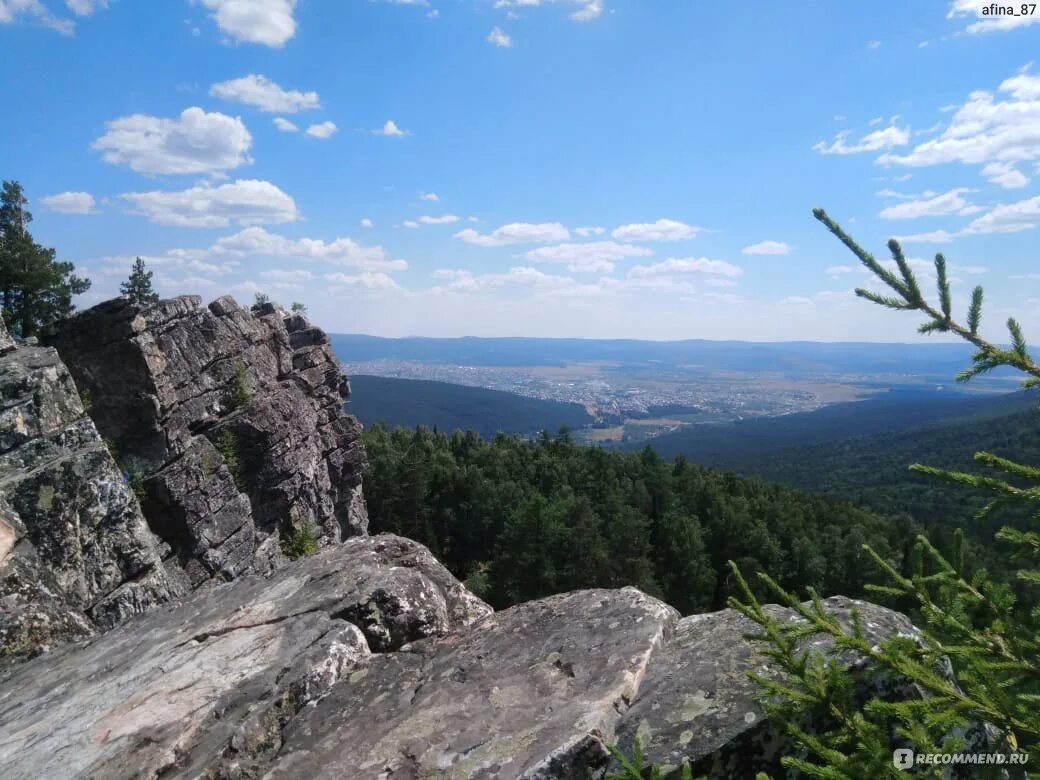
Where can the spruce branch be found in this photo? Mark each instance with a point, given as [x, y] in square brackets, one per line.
[988, 356]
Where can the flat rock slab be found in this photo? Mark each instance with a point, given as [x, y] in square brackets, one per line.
[204, 685]
[528, 692]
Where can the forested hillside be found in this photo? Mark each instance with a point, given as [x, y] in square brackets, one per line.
[520, 520]
[762, 439]
[448, 407]
[872, 471]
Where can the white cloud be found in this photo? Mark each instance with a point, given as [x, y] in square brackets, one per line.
[1008, 218]
[368, 280]
[1005, 175]
[498, 38]
[986, 130]
[446, 219]
[86, 7]
[586, 11]
[430, 196]
[292, 276]
[516, 233]
[322, 130]
[390, 129]
[598, 256]
[873, 45]
[767, 248]
[661, 230]
[950, 202]
[840, 270]
[885, 138]
[989, 22]
[411, 224]
[367, 223]
[70, 203]
[260, 91]
[973, 270]
[243, 202]
[687, 265]
[932, 237]
[258, 242]
[285, 125]
[267, 22]
[195, 142]
[36, 12]
[591, 230]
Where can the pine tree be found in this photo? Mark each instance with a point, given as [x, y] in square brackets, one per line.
[259, 301]
[138, 288]
[35, 289]
[298, 308]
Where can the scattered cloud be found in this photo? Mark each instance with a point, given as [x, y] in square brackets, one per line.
[260, 91]
[587, 231]
[597, 256]
[243, 202]
[986, 130]
[411, 224]
[767, 248]
[516, 233]
[446, 219]
[661, 230]
[498, 38]
[372, 280]
[367, 223]
[1008, 218]
[586, 11]
[194, 142]
[34, 12]
[430, 196]
[687, 265]
[951, 202]
[322, 130]
[285, 125]
[266, 22]
[932, 237]
[293, 276]
[1006, 175]
[86, 7]
[70, 203]
[872, 45]
[885, 138]
[258, 242]
[390, 129]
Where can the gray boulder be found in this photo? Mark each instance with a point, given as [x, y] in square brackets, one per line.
[232, 421]
[76, 555]
[205, 688]
[369, 660]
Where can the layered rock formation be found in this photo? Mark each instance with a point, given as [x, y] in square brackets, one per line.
[230, 422]
[76, 555]
[369, 660]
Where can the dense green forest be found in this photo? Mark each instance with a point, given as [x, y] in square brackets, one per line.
[871, 471]
[446, 407]
[519, 520]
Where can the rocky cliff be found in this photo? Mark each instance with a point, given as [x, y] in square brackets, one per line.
[76, 555]
[369, 660]
[230, 423]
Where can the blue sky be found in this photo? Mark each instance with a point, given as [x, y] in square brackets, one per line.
[614, 168]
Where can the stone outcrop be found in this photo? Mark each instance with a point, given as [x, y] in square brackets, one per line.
[368, 660]
[229, 420]
[76, 555]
